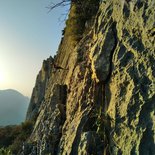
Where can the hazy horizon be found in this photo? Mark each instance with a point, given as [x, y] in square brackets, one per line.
[28, 35]
[10, 89]
[13, 107]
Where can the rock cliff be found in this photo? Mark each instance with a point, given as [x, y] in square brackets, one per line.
[99, 99]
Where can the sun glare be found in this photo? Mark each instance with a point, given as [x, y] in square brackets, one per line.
[1, 77]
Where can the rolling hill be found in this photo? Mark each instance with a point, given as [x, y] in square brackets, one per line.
[13, 107]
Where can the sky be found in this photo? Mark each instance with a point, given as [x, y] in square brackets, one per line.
[29, 33]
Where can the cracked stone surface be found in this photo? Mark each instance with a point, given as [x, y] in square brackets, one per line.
[104, 103]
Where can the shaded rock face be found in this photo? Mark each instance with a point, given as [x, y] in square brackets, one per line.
[103, 102]
[39, 90]
[48, 127]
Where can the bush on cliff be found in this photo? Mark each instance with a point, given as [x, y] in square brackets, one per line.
[80, 13]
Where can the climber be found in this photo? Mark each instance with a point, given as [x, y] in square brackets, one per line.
[56, 67]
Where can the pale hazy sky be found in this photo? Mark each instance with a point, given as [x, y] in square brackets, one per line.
[28, 34]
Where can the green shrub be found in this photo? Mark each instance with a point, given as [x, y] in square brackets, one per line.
[81, 11]
[5, 151]
[12, 137]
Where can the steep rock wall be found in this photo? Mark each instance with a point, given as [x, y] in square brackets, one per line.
[103, 101]
[39, 90]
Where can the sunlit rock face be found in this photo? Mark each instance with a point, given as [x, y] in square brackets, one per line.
[102, 100]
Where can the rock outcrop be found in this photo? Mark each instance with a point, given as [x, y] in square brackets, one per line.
[103, 101]
[39, 90]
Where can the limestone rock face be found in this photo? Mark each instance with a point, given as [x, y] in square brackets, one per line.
[39, 90]
[103, 100]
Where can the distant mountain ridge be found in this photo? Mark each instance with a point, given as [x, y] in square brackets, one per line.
[13, 107]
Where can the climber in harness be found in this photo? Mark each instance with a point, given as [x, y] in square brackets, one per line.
[57, 67]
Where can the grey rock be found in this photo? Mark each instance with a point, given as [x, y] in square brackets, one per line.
[106, 97]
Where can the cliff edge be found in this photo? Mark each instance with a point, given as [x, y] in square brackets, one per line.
[97, 96]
